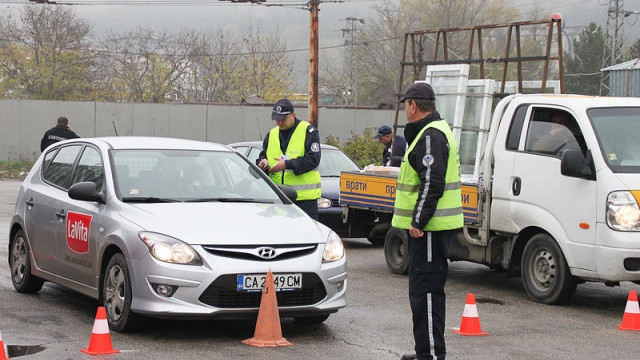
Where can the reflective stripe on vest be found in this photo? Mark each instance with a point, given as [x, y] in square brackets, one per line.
[308, 184]
[448, 214]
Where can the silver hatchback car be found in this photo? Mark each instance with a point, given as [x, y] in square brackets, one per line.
[170, 228]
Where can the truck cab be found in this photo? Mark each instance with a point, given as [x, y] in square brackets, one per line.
[564, 211]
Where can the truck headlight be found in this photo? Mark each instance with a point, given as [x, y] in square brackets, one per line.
[168, 249]
[333, 249]
[622, 211]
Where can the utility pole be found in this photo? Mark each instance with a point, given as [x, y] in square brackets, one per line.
[349, 33]
[613, 41]
[314, 9]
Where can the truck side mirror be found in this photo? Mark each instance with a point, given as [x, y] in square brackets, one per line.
[574, 164]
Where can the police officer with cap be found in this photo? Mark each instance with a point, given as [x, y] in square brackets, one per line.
[291, 155]
[428, 206]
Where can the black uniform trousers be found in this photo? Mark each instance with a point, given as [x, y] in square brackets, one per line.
[309, 206]
[428, 269]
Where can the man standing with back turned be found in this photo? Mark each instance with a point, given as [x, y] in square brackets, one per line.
[291, 155]
[62, 131]
[429, 205]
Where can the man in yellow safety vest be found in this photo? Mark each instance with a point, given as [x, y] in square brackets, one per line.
[429, 206]
[291, 155]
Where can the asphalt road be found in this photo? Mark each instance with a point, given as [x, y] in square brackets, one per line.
[57, 324]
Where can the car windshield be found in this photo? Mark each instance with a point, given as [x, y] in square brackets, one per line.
[188, 175]
[617, 130]
[334, 161]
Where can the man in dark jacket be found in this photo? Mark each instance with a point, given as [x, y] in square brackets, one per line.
[62, 131]
[385, 136]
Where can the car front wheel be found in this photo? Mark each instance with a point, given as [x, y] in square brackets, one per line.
[20, 265]
[118, 294]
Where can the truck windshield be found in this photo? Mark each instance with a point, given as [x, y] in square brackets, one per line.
[618, 132]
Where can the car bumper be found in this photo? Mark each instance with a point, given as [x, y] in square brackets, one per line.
[208, 291]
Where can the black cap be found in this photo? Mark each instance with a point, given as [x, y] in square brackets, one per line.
[419, 90]
[382, 131]
[282, 108]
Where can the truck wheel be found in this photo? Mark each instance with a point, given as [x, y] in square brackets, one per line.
[378, 233]
[396, 251]
[545, 273]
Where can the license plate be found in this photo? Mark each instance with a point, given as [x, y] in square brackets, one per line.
[255, 282]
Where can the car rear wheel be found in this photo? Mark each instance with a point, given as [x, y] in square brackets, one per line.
[20, 265]
[118, 294]
[396, 251]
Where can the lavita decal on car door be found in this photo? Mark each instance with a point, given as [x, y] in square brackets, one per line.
[78, 226]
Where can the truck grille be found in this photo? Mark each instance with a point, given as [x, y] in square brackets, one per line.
[222, 293]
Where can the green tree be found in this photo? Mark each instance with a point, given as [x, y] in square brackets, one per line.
[46, 55]
[364, 149]
[634, 50]
[583, 70]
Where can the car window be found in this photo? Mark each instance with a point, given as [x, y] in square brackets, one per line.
[89, 168]
[242, 149]
[59, 169]
[253, 154]
[552, 131]
[333, 162]
[187, 175]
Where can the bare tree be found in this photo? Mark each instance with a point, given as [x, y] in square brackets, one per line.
[213, 60]
[379, 49]
[145, 66]
[45, 54]
[265, 69]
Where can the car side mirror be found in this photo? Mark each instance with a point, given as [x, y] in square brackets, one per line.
[86, 191]
[574, 164]
[289, 191]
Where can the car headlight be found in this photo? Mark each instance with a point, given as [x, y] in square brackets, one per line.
[168, 249]
[324, 203]
[622, 211]
[333, 249]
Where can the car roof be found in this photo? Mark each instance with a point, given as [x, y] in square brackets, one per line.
[150, 142]
[258, 144]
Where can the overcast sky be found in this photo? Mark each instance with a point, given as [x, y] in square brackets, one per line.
[292, 14]
[292, 17]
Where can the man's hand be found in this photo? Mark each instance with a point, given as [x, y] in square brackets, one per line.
[279, 166]
[264, 165]
[414, 232]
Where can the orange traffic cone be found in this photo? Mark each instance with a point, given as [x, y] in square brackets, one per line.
[470, 325]
[268, 332]
[100, 342]
[631, 317]
[3, 354]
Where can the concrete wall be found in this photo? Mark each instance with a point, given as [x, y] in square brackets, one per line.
[23, 122]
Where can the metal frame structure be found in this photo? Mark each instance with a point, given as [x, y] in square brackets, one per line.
[414, 43]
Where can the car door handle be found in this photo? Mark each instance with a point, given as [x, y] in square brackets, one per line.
[60, 214]
[30, 202]
[516, 186]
